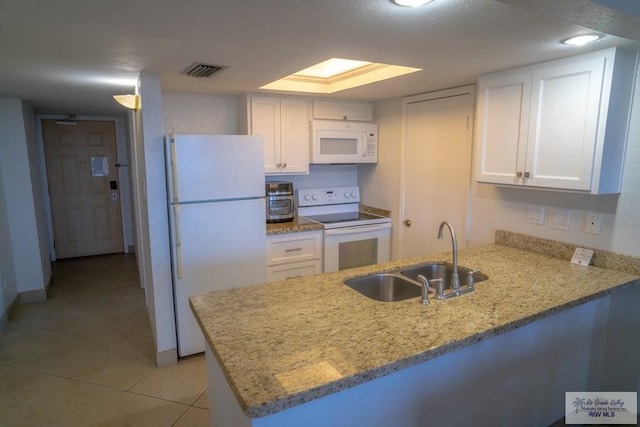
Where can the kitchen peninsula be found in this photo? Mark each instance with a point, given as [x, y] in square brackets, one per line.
[311, 351]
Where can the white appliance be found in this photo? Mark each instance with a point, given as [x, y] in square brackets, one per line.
[215, 189]
[336, 142]
[351, 238]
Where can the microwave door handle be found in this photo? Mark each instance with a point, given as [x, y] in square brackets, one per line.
[364, 144]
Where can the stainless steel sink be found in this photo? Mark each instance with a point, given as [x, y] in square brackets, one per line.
[404, 283]
[387, 287]
[443, 271]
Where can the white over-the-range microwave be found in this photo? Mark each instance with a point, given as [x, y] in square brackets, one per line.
[340, 142]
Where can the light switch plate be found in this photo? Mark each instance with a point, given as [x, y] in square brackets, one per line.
[559, 218]
[535, 214]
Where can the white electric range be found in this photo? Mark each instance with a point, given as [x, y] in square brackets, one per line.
[351, 238]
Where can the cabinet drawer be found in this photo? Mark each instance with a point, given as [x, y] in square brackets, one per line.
[298, 247]
[293, 269]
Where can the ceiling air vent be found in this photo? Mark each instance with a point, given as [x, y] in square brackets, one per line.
[198, 69]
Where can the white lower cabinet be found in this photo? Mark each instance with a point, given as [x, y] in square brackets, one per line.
[293, 255]
[558, 125]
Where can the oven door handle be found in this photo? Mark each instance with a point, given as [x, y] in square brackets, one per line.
[356, 229]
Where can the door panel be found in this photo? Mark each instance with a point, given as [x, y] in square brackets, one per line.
[437, 172]
[80, 167]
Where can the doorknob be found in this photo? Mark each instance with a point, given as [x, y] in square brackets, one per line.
[407, 222]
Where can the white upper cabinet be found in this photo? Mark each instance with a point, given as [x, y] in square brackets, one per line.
[339, 110]
[284, 124]
[557, 125]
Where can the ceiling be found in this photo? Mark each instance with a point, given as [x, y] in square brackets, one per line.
[71, 56]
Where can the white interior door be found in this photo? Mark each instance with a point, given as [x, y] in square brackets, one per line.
[437, 169]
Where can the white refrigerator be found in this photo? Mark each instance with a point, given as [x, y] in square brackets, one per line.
[215, 189]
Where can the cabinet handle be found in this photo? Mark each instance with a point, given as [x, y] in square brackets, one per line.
[293, 250]
[284, 165]
[519, 174]
[278, 165]
[407, 222]
[526, 174]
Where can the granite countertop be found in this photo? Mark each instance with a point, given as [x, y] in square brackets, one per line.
[299, 224]
[285, 343]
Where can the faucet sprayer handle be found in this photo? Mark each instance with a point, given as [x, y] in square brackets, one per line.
[425, 289]
[438, 284]
[470, 279]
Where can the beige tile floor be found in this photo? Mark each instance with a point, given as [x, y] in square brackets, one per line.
[85, 356]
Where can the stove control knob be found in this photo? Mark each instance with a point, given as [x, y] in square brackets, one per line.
[347, 195]
[353, 194]
[307, 197]
[314, 197]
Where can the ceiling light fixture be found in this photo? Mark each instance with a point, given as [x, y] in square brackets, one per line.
[331, 68]
[582, 40]
[337, 74]
[130, 101]
[411, 3]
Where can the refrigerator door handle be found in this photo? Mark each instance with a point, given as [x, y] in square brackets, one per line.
[174, 170]
[178, 241]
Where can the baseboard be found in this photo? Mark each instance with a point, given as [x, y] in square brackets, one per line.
[167, 357]
[32, 296]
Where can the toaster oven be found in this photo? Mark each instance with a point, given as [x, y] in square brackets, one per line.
[279, 201]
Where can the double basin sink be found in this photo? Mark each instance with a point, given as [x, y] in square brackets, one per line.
[404, 283]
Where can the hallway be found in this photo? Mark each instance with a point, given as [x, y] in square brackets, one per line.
[85, 356]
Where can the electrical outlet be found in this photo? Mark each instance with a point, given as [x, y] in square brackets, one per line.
[535, 214]
[559, 218]
[593, 223]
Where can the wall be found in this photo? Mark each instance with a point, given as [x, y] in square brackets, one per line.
[190, 113]
[8, 284]
[16, 158]
[380, 183]
[153, 226]
[38, 180]
[498, 207]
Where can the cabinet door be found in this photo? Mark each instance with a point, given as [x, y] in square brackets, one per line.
[502, 119]
[565, 104]
[265, 121]
[334, 110]
[294, 135]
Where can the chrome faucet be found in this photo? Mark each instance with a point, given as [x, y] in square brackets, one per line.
[455, 279]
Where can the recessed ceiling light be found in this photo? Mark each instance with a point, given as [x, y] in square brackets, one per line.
[331, 68]
[411, 3]
[582, 40]
[336, 74]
